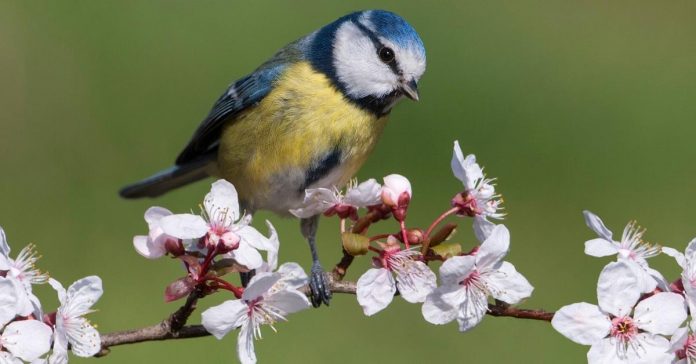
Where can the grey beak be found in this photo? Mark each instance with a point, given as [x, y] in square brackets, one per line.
[410, 89]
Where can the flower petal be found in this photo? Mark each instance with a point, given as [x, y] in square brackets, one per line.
[221, 319]
[28, 339]
[455, 269]
[255, 239]
[582, 323]
[465, 169]
[316, 201]
[222, 202]
[482, 227]
[82, 295]
[59, 354]
[245, 345]
[494, 249]
[288, 301]
[273, 246]
[184, 226]
[597, 225]
[154, 214]
[508, 285]
[417, 283]
[678, 256]
[292, 275]
[469, 317]
[662, 313]
[60, 290]
[147, 248]
[435, 310]
[8, 301]
[365, 194]
[7, 358]
[617, 289]
[247, 256]
[600, 247]
[375, 290]
[84, 338]
[259, 285]
[690, 252]
[4, 246]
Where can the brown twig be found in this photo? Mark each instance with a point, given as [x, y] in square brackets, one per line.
[171, 328]
[165, 329]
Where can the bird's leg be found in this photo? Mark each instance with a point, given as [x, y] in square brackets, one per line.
[318, 282]
[245, 277]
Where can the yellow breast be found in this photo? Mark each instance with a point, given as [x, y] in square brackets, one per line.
[267, 150]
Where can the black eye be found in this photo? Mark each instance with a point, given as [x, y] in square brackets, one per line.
[386, 54]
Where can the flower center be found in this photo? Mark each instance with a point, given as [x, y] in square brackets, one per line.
[467, 204]
[473, 279]
[623, 329]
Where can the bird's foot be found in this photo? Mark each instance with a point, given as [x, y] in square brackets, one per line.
[319, 286]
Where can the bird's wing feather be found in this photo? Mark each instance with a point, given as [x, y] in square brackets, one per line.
[242, 94]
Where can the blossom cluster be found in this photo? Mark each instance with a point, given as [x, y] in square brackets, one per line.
[214, 243]
[468, 280]
[27, 333]
[639, 314]
[221, 240]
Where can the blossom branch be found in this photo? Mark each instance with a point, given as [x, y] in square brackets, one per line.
[166, 329]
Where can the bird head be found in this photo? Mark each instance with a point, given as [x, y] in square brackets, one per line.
[374, 57]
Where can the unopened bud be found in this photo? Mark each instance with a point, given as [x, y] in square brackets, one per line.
[228, 241]
[414, 236]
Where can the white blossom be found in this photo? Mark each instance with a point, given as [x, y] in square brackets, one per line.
[152, 246]
[70, 325]
[479, 199]
[223, 227]
[468, 281]
[24, 273]
[263, 302]
[26, 340]
[332, 201]
[414, 280]
[631, 248]
[618, 330]
[396, 190]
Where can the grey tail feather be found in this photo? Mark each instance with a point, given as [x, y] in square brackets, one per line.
[167, 180]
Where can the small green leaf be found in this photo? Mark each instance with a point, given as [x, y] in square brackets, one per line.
[355, 244]
[447, 250]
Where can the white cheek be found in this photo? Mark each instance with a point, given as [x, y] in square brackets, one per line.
[357, 65]
[412, 65]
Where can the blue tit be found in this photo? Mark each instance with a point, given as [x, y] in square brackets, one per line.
[306, 118]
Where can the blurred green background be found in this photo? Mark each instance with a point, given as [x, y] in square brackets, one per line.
[571, 105]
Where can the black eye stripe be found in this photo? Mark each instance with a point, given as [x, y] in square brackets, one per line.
[393, 65]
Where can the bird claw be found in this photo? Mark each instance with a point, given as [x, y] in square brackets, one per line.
[319, 286]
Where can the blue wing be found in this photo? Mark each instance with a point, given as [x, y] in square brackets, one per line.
[241, 95]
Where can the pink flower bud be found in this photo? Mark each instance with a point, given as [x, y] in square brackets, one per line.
[228, 241]
[178, 289]
[396, 190]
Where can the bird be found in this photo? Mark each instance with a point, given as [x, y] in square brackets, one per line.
[306, 118]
